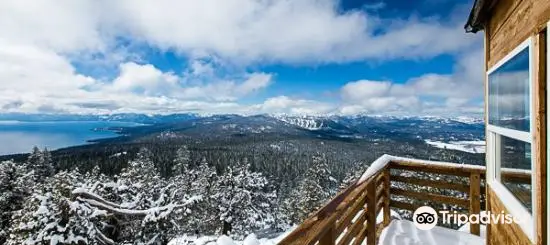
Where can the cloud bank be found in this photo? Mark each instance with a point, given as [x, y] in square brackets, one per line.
[44, 44]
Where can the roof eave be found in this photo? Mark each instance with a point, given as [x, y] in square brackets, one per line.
[479, 15]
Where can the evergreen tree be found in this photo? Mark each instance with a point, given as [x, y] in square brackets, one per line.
[313, 191]
[181, 161]
[203, 218]
[40, 162]
[246, 201]
[51, 216]
[15, 186]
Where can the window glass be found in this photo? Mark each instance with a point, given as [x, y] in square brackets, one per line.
[509, 94]
[516, 156]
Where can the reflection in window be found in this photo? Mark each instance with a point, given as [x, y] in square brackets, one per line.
[509, 93]
[516, 155]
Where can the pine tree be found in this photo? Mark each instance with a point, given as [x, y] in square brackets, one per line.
[313, 191]
[40, 162]
[15, 186]
[246, 201]
[203, 219]
[51, 216]
[181, 161]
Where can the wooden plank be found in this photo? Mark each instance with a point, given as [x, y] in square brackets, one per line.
[503, 233]
[361, 237]
[432, 183]
[430, 197]
[349, 214]
[329, 238]
[371, 215]
[354, 229]
[387, 216]
[379, 179]
[379, 205]
[513, 21]
[513, 30]
[458, 170]
[500, 15]
[475, 201]
[380, 191]
[539, 136]
[314, 227]
[403, 205]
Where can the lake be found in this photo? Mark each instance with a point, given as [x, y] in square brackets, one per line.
[20, 137]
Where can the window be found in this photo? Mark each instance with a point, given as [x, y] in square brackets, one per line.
[509, 94]
[509, 128]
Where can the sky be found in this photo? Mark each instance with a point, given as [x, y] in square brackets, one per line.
[301, 57]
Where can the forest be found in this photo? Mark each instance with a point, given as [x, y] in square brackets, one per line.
[165, 184]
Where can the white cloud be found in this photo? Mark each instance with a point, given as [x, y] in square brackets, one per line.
[62, 26]
[145, 79]
[287, 105]
[364, 89]
[41, 41]
[309, 31]
[460, 91]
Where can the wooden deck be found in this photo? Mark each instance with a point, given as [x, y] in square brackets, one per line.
[392, 182]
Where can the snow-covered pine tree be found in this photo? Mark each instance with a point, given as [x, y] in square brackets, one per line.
[182, 161]
[40, 162]
[51, 215]
[203, 218]
[246, 201]
[314, 190]
[141, 187]
[15, 185]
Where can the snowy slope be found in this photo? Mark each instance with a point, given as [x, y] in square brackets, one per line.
[466, 146]
[305, 122]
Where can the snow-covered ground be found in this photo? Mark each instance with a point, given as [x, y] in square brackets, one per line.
[224, 240]
[404, 232]
[477, 146]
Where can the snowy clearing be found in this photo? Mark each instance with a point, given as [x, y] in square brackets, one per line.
[402, 232]
[477, 146]
[224, 240]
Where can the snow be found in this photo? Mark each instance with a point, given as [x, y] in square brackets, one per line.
[375, 167]
[384, 160]
[224, 240]
[477, 146]
[393, 216]
[483, 230]
[251, 239]
[309, 123]
[403, 232]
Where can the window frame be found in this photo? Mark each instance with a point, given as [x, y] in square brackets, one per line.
[509, 200]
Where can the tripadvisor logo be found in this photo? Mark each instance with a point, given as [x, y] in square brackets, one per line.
[425, 218]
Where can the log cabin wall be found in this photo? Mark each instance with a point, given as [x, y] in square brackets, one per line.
[511, 23]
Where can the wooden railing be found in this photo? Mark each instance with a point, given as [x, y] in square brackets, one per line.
[350, 218]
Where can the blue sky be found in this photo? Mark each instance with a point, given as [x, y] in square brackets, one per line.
[240, 56]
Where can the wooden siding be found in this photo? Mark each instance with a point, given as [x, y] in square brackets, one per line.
[512, 22]
[501, 234]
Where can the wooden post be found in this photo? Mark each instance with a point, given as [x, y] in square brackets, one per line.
[328, 238]
[387, 215]
[475, 200]
[371, 212]
[539, 137]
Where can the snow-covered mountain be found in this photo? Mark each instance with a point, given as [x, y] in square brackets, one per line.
[306, 122]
